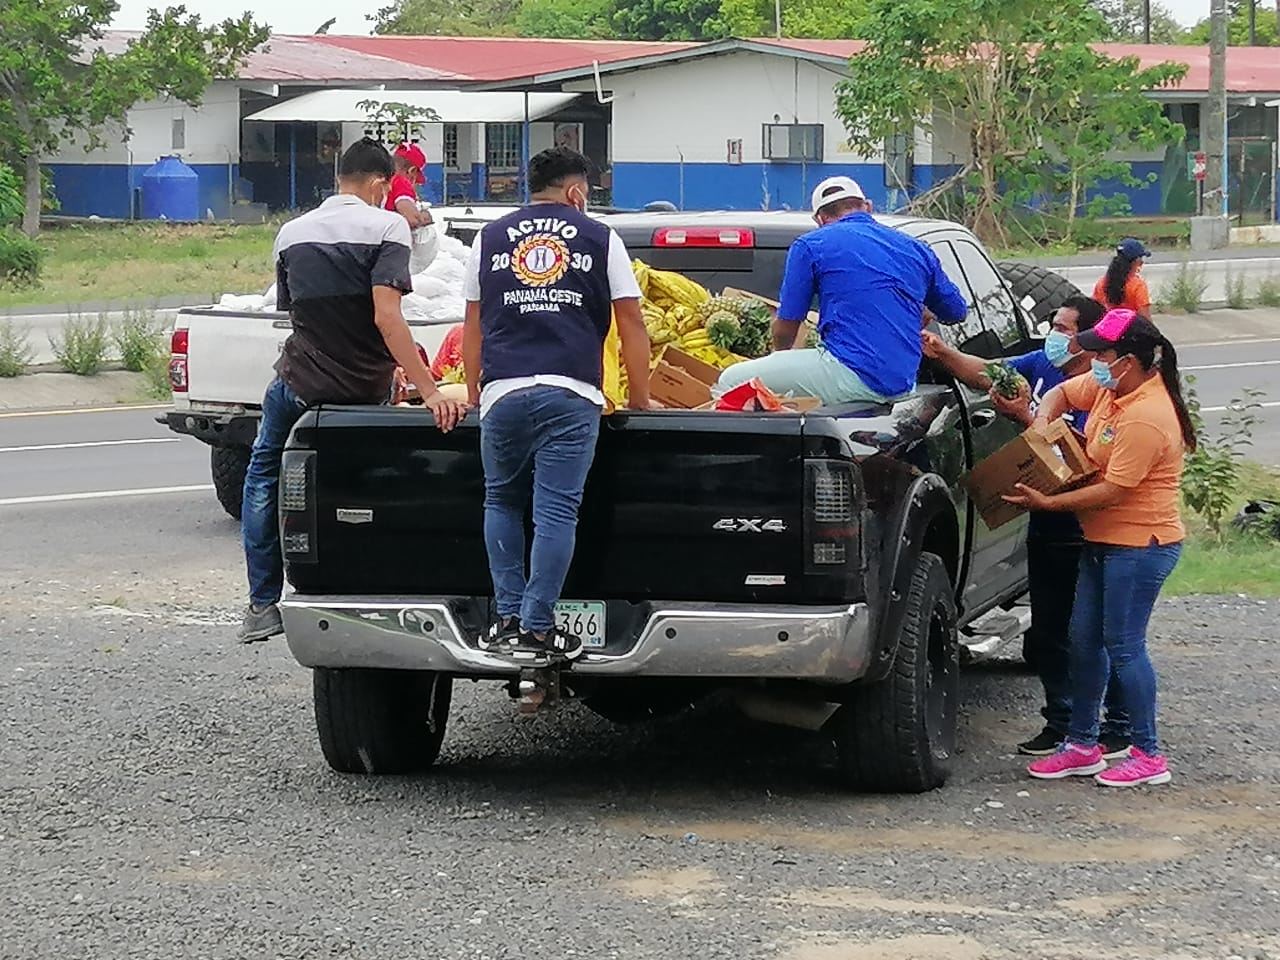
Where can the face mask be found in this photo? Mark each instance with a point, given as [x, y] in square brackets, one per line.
[1057, 348]
[579, 200]
[1102, 373]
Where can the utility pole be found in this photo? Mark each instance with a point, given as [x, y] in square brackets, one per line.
[1253, 23]
[1146, 21]
[1213, 131]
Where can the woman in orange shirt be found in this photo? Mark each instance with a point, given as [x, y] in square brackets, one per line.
[1137, 434]
[1123, 287]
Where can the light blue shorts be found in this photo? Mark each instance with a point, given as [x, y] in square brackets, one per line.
[803, 373]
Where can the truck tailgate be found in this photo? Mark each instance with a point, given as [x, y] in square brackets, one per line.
[677, 507]
[232, 353]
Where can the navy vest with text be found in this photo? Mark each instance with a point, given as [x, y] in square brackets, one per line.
[545, 305]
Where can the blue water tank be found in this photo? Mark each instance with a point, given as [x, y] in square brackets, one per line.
[170, 191]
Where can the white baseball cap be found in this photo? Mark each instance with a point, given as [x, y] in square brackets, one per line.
[833, 189]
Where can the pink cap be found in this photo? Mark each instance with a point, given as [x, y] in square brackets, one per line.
[1107, 331]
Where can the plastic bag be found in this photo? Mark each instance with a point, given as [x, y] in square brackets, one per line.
[426, 244]
[752, 395]
[450, 352]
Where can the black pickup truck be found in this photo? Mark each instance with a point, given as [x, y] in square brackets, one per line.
[820, 565]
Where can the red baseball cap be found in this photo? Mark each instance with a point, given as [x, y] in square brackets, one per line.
[413, 153]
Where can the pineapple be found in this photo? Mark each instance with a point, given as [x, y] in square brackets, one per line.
[1007, 382]
[724, 329]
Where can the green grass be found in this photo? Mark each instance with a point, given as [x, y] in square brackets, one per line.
[1100, 234]
[1241, 563]
[142, 262]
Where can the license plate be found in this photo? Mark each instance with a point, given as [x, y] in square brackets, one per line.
[585, 620]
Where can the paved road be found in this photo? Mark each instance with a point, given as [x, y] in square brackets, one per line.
[1162, 271]
[104, 455]
[162, 795]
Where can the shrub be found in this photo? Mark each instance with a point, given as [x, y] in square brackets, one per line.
[1237, 296]
[1187, 289]
[20, 258]
[83, 345]
[157, 376]
[1211, 476]
[11, 198]
[16, 353]
[140, 339]
[1269, 291]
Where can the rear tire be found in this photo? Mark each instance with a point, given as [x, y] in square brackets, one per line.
[898, 735]
[381, 721]
[228, 465]
[1039, 290]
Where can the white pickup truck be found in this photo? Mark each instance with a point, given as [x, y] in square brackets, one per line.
[223, 357]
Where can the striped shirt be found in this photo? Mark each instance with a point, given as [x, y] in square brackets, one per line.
[327, 263]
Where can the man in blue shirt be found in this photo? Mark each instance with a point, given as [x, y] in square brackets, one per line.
[873, 284]
[1054, 539]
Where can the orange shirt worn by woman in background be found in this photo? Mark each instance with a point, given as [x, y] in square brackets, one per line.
[1123, 287]
[1137, 434]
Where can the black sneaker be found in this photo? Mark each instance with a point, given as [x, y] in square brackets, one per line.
[563, 646]
[1042, 744]
[1114, 746]
[506, 637]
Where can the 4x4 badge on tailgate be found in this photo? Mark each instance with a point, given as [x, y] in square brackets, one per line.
[731, 525]
[347, 515]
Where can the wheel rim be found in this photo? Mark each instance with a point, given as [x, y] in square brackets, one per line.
[940, 694]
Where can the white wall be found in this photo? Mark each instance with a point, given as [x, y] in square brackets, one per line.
[699, 105]
[212, 132]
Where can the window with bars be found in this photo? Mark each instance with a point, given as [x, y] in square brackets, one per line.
[502, 146]
[451, 146]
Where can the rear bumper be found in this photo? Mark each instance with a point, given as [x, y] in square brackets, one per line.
[215, 429]
[826, 644]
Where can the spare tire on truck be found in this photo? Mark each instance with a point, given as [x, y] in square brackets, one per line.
[228, 466]
[1040, 291]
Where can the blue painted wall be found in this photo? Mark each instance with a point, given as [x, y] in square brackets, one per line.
[106, 189]
[726, 186]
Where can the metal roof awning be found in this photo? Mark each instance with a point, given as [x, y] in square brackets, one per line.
[436, 106]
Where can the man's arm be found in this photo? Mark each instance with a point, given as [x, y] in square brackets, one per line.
[942, 296]
[965, 367]
[624, 291]
[408, 209]
[390, 280]
[796, 296]
[471, 330]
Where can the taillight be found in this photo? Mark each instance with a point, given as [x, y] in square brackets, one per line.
[178, 380]
[297, 505]
[833, 530]
[733, 237]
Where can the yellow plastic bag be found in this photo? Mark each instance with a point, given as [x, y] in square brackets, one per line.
[614, 394]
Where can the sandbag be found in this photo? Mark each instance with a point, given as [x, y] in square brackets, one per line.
[426, 245]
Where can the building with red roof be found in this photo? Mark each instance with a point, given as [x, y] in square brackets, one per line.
[733, 123]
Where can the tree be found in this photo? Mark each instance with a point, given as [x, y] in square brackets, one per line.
[57, 85]
[1004, 71]
[812, 19]
[1124, 22]
[448, 18]
[667, 20]
[582, 19]
[1238, 31]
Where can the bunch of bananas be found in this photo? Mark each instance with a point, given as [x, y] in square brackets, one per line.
[674, 313]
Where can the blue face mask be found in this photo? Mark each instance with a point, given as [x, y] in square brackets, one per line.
[1057, 348]
[1102, 373]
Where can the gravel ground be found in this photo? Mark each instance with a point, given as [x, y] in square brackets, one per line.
[162, 795]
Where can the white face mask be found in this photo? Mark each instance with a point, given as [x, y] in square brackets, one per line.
[579, 199]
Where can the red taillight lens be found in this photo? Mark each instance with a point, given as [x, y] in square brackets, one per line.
[178, 361]
[731, 238]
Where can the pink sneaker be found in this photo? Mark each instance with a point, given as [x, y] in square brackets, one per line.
[1137, 770]
[1071, 760]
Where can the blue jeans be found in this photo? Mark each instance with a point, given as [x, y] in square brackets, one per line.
[1053, 569]
[804, 373]
[1115, 595]
[259, 517]
[535, 443]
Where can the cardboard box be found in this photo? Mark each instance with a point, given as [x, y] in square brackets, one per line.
[1049, 463]
[682, 381]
